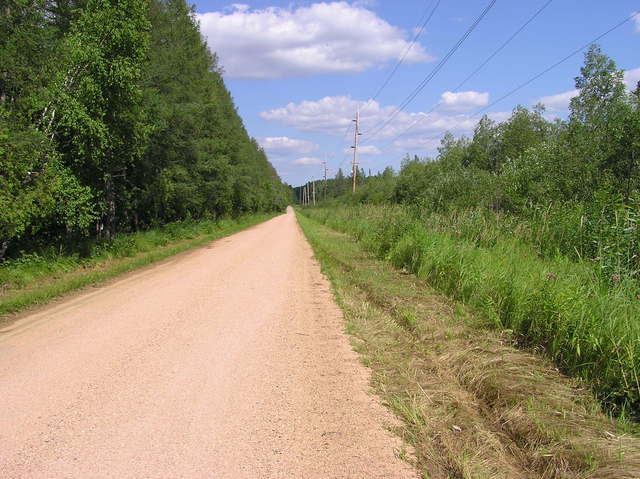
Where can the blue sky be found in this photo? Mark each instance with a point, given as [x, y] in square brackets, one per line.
[299, 70]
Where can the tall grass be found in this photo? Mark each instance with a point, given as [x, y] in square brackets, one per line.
[29, 267]
[604, 232]
[588, 322]
[37, 277]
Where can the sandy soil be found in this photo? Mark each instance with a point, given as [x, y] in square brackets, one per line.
[227, 362]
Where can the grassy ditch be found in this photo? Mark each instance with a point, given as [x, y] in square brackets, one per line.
[471, 404]
[36, 278]
[586, 323]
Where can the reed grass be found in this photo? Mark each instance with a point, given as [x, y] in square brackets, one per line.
[586, 321]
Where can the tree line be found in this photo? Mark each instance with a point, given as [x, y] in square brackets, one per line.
[114, 117]
[581, 173]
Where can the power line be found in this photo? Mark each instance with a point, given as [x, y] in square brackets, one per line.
[481, 66]
[429, 15]
[435, 71]
[501, 47]
[535, 77]
[548, 69]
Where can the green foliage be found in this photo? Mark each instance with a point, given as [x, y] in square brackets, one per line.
[571, 186]
[534, 223]
[25, 194]
[116, 113]
[35, 188]
[200, 161]
[586, 324]
[36, 277]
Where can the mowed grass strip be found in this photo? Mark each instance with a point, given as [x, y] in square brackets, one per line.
[588, 325]
[36, 282]
[471, 404]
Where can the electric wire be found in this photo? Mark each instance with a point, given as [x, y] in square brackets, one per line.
[538, 75]
[480, 67]
[559, 62]
[376, 129]
[421, 26]
[420, 29]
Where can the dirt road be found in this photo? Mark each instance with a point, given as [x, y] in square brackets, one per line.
[227, 362]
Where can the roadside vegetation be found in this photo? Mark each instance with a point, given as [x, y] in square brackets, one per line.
[472, 403]
[532, 223]
[114, 118]
[119, 144]
[37, 277]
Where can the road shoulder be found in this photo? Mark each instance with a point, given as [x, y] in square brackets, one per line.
[470, 403]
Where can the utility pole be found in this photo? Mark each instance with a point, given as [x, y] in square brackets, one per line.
[314, 192]
[354, 163]
[324, 165]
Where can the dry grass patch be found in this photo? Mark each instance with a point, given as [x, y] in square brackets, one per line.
[472, 405]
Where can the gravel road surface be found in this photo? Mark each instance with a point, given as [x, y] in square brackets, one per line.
[229, 361]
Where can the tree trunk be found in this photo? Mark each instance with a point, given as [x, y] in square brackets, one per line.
[4, 244]
[110, 217]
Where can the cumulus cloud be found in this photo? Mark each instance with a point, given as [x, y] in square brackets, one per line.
[240, 7]
[283, 147]
[307, 161]
[325, 37]
[632, 77]
[369, 150]
[365, 150]
[462, 101]
[559, 102]
[333, 115]
[412, 144]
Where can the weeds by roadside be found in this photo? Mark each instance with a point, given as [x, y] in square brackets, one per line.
[36, 278]
[586, 323]
[472, 405]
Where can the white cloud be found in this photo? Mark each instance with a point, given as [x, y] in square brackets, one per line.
[559, 102]
[325, 37]
[283, 147]
[333, 115]
[428, 145]
[365, 150]
[636, 19]
[498, 116]
[307, 161]
[240, 7]
[369, 150]
[462, 101]
[632, 77]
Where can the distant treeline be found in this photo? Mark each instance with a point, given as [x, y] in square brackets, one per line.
[114, 117]
[575, 182]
